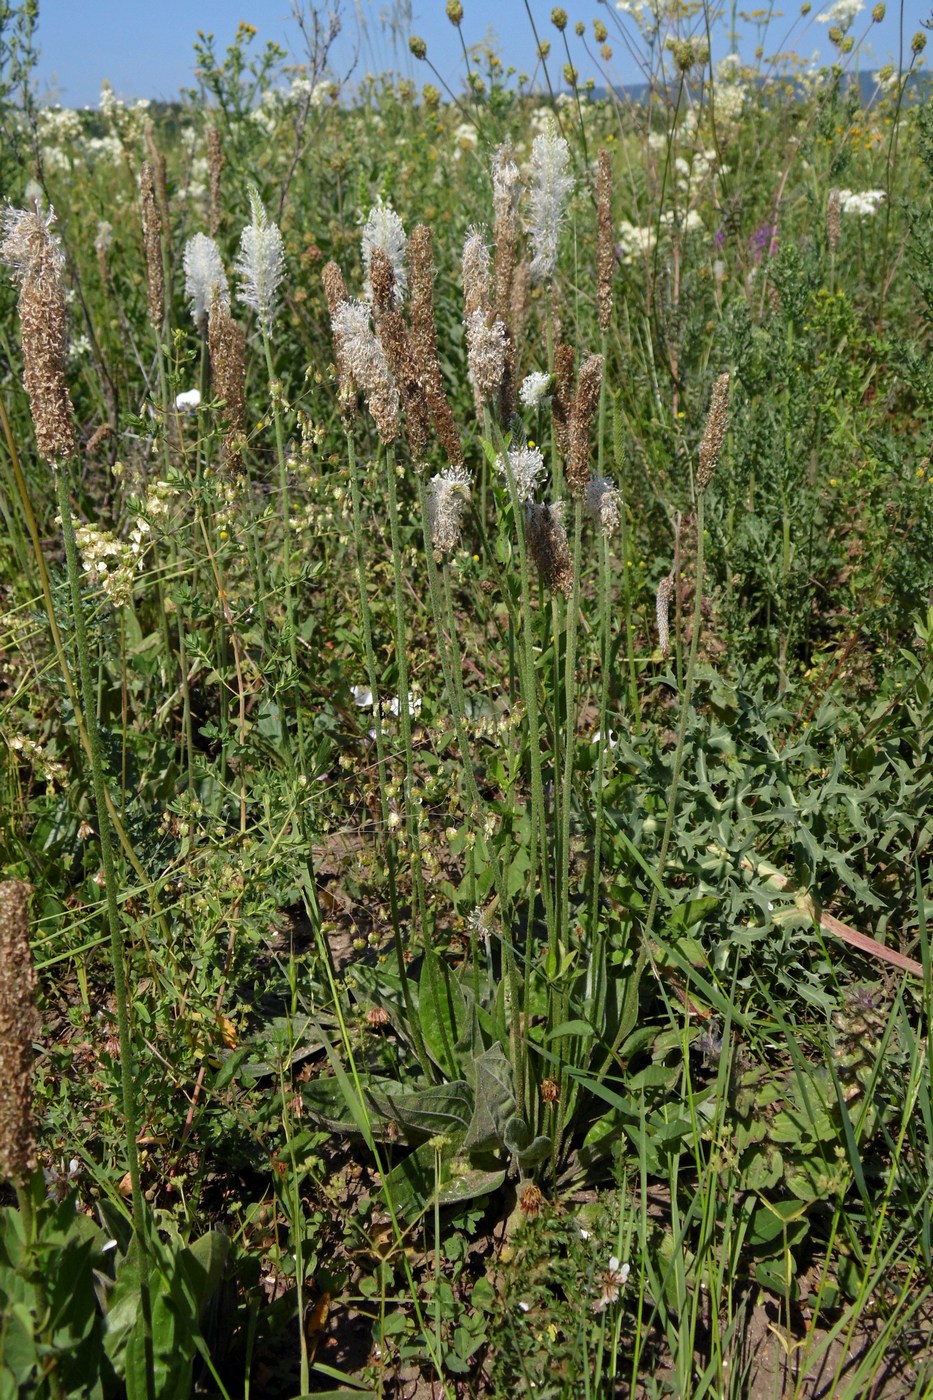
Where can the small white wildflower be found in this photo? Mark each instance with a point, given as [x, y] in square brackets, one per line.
[527, 469]
[534, 389]
[414, 705]
[842, 14]
[609, 742]
[383, 229]
[864, 204]
[188, 401]
[611, 1283]
[362, 696]
[551, 185]
[204, 271]
[260, 263]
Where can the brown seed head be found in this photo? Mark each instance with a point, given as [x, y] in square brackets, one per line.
[547, 545]
[424, 341]
[562, 397]
[157, 161]
[335, 290]
[377, 1017]
[716, 423]
[531, 1200]
[35, 257]
[19, 1027]
[833, 219]
[605, 243]
[393, 334]
[367, 365]
[476, 277]
[152, 242]
[227, 345]
[584, 411]
[550, 1091]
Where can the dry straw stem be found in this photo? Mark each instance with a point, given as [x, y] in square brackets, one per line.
[716, 423]
[581, 418]
[424, 340]
[215, 164]
[36, 259]
[547, 545]
[561, 399]
[19, 1027]
[393, 334]
[152, 242]
[605, 243]
[227, 344]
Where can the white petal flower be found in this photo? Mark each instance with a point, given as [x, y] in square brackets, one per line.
[188, 401]
[362, 696]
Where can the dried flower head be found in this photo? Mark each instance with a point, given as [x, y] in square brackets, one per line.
[531, 1200]
[581, 418]
[487, 355]
[833, 218]
[562, 397]
[152, 243]
[505, 192]
[393, 334]
[550, 1091]
[715, 431]
[551, 186]
[476, 275]
[662, 611]
[19, 1027]
[547, 545]
[35, 257]
[611, 1282]
[605, 241]
[377, 1017]
[424, 342]
[383, 229]
[227, 345]
[204, 272]
[366, 362]
[604, 503]
[526, 467]
[448, 500]
[260, 262]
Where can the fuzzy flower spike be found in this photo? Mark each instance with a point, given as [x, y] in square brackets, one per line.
[551, 186]
[260, 263]
[34, 254]
[204, 271]
[383, 230]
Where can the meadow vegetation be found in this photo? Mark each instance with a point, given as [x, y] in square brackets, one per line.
[467, 702]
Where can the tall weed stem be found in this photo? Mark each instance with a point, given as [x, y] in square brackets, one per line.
[114, 918]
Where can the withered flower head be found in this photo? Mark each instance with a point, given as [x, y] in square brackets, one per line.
[35, 257]
[19, 1027]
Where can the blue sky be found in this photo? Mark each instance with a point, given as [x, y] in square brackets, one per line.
[145, 47]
